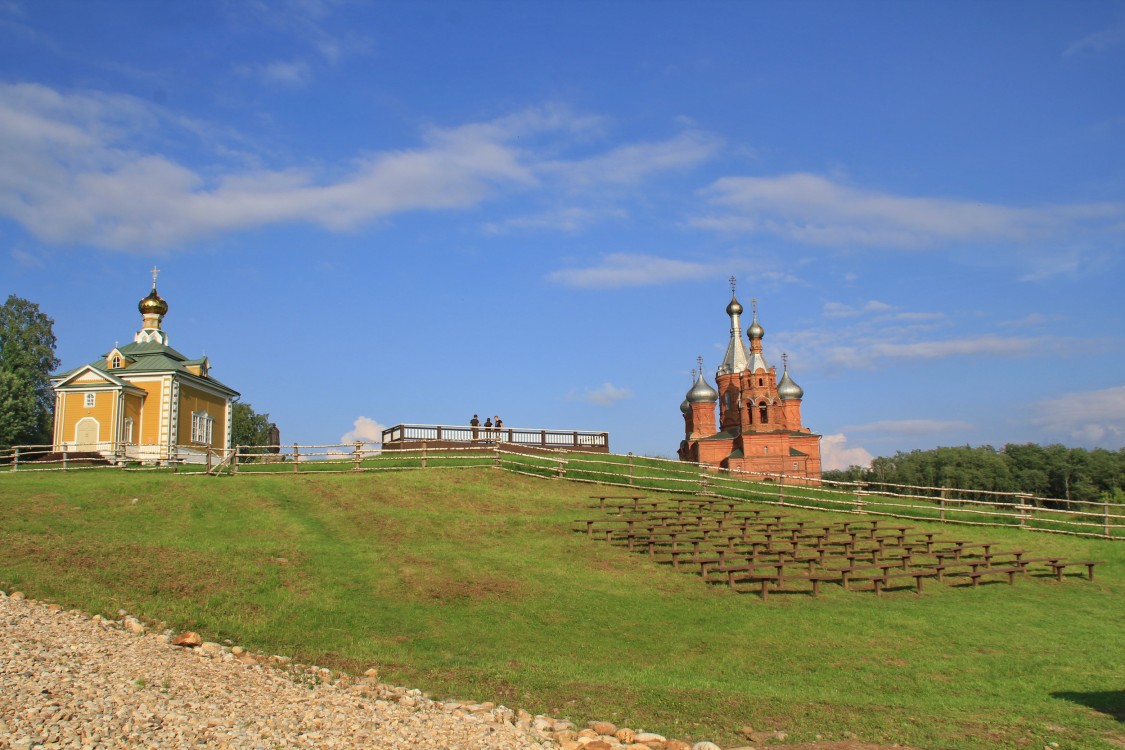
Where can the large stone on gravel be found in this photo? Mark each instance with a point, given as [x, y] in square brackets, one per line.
[646, 737]
[604, 727]
[187, 640]
[598, 745]
[705, 746]
[676, 745]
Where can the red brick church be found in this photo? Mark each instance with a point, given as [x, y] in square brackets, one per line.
[759, 428]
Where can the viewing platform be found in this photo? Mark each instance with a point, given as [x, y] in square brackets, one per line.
[408, 436]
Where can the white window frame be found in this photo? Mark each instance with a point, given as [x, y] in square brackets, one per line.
[202, 427]
[115, 362]
[127, 431]
[91, 400]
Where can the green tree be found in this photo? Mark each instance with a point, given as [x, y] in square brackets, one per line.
[27, 356]
[249, 428]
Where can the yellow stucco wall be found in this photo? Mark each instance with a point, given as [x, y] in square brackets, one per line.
[74, 407]
[146, 429]
[194, 400]
[133, 411]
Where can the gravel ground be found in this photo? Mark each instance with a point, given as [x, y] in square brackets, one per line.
[68, 680]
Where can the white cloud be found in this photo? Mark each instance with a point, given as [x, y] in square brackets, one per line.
[91, 168]
[1099, 41]
[910, 426]
[627, 269]
[836, 454]
[73, 168]
[631, 163]
[870, 351]
[292, 73]
[816, 210]
[1090, 417]
[566, 220]
[364, 430]
[637, 269]
[606, 394]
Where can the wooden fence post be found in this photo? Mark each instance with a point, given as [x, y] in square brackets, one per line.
[1023, 508]
[942, 500]
[234, 460]
[64, 457]
[423, 454]
[630, 468]
[15, 458]
[780, 489]
[703, 482]
[1105, 518]
[496, 456]
[296, 457]
[561, 471]
[858, 500]
[208, 460]
[358, 455]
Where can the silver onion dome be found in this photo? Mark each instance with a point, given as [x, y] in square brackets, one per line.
[735, 307]
[701, 392]
[787, 389]
[755, 331]
[685, 406]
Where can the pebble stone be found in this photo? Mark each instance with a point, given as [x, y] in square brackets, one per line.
[68, 680]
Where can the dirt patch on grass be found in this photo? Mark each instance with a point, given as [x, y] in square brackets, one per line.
[425, 581]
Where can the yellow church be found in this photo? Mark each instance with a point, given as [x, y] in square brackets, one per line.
[144, 401]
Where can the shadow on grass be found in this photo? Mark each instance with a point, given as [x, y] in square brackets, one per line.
[1109, 702]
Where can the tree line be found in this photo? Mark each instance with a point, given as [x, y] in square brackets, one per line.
[1051, 471]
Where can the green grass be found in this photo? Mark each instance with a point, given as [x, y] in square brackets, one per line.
[471, 584]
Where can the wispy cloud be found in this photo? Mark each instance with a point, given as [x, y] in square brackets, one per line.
[816, 210]
[289, 73]
[606, 394]
[626, 269]
[616, 270]
[835, 453]
[631, 163]
[1093, 418]
[87, 167]
[571, 219]
[1099, 41]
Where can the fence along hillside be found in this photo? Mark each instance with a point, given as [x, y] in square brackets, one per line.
[943, 504]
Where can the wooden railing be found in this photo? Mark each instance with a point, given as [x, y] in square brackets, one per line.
[951, 505]
[402, 434]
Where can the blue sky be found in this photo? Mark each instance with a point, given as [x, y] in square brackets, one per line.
[368, 213]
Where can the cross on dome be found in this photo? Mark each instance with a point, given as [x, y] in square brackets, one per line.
[155, 271]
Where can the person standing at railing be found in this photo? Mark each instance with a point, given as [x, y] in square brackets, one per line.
[499, 428]
[475, 424]
[488, 428]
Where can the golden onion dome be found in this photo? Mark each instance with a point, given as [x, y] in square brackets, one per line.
[153, 304]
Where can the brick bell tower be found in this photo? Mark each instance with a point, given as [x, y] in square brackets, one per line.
[759, 429]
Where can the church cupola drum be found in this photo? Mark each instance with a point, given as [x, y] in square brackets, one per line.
[759, 429]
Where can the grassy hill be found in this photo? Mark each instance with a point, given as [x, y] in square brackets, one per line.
[471, 584]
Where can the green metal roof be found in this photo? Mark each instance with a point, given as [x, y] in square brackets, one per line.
[153, 357]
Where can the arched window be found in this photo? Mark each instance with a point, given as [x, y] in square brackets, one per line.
[763, 413]
[760, 381]
[115, 363]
